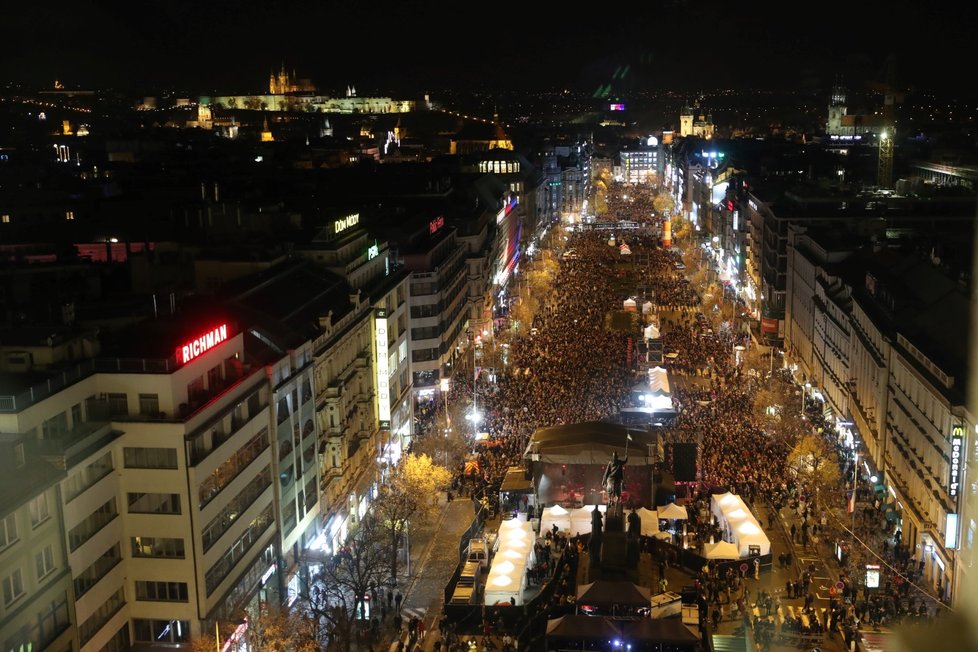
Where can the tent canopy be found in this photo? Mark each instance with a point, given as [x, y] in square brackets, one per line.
[590, 442]
[604, 592]
[650, 521]
[581, 627]
[721, 550]
[673, 511]
[516, 481]
[662, 630]
[659, 381]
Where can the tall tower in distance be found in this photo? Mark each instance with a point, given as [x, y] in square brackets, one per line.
[686, 122]
[837, 109]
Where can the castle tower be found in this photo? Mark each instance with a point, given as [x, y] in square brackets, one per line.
[686, 122]
[837, 109]
[266, 133]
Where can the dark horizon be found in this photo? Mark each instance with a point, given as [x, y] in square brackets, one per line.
[413, 47]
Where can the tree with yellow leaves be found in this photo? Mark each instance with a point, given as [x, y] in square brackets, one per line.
[408, 495]
[814, 462]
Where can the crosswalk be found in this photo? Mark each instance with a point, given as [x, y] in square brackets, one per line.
[407, 613]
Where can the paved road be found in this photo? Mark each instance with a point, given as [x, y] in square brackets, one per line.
[434, 558]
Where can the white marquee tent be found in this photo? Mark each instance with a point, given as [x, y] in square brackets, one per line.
[650, 521]
[507, 574]
[555, 515]
[721, 550]
[673, 511]
[739, 524]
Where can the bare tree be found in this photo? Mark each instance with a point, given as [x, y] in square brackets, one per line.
[335, 603]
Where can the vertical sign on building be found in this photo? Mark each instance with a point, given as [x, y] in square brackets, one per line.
[383, 387]
[954, 475]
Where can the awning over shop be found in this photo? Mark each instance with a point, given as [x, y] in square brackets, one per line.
[880, 489]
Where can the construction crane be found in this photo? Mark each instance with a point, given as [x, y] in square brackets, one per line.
[887, 137]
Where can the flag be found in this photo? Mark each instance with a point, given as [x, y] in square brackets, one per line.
[629, 435]
[850, 501]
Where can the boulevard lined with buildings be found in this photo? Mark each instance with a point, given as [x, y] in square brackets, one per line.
[196, 413]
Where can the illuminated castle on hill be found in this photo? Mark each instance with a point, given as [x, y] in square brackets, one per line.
[288, 93]
[282, 83]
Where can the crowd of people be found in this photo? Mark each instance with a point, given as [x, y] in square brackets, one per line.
[571, 368]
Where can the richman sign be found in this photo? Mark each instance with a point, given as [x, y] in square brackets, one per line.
[202, 343]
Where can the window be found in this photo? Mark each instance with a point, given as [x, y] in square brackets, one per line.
[93, 623]
[145, 503]
[157, 547]
[39, 510]
[119, 642]
[99, 568]
[55, 427]
[44, 561]
[118, 405]
[161, 631]
[88, 476]
[8, 530]
[92, 524]
[150, 458]
[149, 404]
[161, 591]
[13, 587]
[19, 459]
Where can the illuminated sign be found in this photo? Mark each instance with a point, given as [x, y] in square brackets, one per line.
[616, 106]
[872, 576]
[373, 251]
[435, 224]
[954, 481]
[344, 223]
[951, 532]
[202, 343]
[752, 204]
[730, 205]
[383, 388]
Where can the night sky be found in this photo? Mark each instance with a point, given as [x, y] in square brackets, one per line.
[220, 45]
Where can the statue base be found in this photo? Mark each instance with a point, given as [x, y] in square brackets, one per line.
[614, 523]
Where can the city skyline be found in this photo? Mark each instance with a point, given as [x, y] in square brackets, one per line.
[401, 47]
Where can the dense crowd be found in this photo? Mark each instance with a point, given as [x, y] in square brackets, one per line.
[571, 368]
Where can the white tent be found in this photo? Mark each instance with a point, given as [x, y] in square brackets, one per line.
[648, 307]
[659, 381]
[650, 521]
[506, 580]
[580, 519]
[555, 515]
[740, 524]
[721, 550]
[673, 511]
[629, 304]
[651, 332]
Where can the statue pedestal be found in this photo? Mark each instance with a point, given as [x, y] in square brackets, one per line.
[614, 552]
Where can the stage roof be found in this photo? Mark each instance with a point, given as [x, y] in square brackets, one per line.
[590, 442]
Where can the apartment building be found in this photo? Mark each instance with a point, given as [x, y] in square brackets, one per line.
[167, 500]
[36, 608]
[881, 337]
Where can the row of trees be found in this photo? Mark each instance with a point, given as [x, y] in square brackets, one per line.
[332, 604]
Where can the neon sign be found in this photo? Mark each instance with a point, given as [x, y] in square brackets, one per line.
[954, 481]
[202, 343]
[344, 223]
[373, 251]
[383, 387]
[436, 224]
